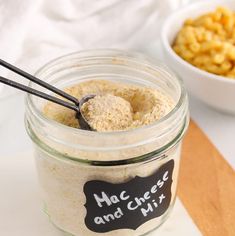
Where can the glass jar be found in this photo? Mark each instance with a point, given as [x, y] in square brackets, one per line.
[115, 183]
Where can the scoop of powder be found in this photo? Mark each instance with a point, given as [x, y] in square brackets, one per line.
[108, 113]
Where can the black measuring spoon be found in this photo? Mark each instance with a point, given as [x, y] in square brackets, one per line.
[75, 105]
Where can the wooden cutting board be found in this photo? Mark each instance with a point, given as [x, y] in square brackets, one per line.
[207, 185]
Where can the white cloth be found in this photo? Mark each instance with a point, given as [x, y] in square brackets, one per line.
[33, 32]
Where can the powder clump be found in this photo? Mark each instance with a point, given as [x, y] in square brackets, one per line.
[108, 113]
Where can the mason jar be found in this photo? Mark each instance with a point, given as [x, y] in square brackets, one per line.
[119, 183]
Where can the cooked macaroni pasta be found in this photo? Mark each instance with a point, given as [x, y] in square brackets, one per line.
[208, 42]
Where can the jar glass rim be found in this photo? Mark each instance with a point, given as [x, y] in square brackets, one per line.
[133, 56]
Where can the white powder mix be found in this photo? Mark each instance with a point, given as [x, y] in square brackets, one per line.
[118, 106]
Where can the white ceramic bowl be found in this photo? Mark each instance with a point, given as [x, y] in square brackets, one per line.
[216, 91]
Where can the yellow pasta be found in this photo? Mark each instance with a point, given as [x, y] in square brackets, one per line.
[194, 47]
[218, 58]
[208, 42]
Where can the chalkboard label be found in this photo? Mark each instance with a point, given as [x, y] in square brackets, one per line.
[128, 205]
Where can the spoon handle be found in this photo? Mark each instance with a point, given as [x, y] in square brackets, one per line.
[38, 81]
[38, 93]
